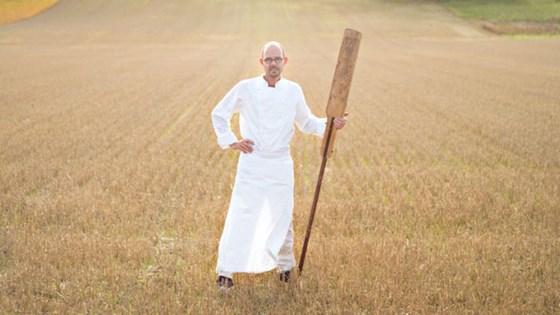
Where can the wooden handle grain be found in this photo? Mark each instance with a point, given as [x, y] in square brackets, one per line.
[340, 88]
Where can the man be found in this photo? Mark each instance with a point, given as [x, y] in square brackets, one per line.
[258, 233]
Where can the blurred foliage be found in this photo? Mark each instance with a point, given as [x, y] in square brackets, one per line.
[505, 10]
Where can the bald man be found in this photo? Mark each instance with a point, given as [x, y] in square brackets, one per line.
[258, 234]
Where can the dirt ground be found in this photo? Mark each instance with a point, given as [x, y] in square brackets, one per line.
[105, 118]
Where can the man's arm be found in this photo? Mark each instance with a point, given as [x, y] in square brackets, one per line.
[221, 117]
[305, 120]
[309, 123]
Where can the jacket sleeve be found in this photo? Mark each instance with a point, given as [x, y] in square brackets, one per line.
[305, 120]
[221, 117]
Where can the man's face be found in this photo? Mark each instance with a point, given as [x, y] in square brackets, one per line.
[273, 61]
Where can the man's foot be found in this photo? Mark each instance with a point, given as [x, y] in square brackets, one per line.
[284, 276]
[224, 283]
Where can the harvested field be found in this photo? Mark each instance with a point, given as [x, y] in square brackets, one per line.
[442, 196]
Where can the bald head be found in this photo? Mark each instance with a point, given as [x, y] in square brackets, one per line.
[273, 61]
[274, 45]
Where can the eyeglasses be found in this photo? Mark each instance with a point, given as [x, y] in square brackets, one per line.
[277, 60]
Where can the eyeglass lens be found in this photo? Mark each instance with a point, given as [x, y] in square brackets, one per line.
[277, 60]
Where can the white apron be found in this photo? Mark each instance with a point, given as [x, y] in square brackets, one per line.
[259, 215]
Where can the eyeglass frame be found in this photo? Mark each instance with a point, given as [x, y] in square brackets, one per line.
[276, 60]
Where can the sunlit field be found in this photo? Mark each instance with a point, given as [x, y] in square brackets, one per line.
[442, 195]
